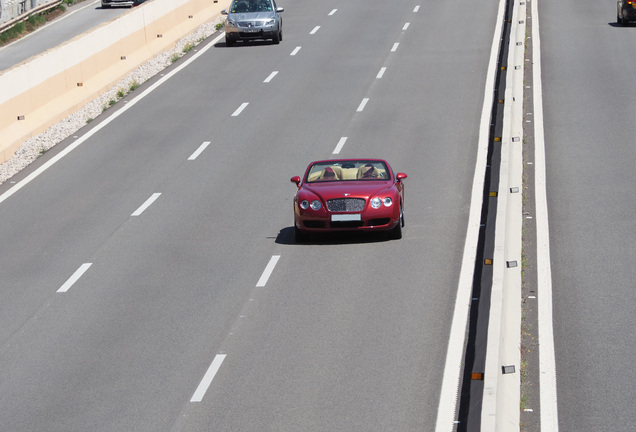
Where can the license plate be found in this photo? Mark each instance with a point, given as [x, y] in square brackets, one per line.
[345, 217]
[251, 30]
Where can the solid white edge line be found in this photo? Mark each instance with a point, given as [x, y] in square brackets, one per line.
[341, 143]
[147, 204]
[271, 77]
[74, 278]
[240, 109]
[547, 361]
[446, 412]
[208, 377]
[200, 150]
[28, 179]
[362, 104]
[268, 271]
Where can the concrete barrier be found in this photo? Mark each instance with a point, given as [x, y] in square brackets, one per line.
[43, 90]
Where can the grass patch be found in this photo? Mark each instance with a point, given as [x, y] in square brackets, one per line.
[188, 47]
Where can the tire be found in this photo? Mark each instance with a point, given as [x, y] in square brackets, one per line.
[276, 39]
[396, 233]
[229, 42]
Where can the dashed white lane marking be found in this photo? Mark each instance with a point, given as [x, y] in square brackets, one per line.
[271, 77]
[107, 121]
[395, 47]
[314, 30]
[295, 51]
[406, 26]
[74, 278]
[362, 104]
[332, 12]
[340, 144]
[240, 109]
[200, 150]
[268, 271]
[417, 9]
[147, 204]
[207, 378]
[381, 73]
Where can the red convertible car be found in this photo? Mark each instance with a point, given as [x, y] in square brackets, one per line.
[349, 195]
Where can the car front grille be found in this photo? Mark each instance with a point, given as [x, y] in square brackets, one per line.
[345, 204]
[249, 24]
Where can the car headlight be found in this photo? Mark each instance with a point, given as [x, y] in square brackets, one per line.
[315, 205]
[377, 202]
[270, 22]
[230, 23]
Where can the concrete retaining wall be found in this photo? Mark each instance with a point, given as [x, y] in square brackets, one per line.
[47, 88]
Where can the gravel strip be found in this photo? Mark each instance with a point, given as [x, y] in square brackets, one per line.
[30, 150]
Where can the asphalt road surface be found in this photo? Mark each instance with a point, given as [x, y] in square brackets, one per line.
[131, 268]
[150, 281]
[587, 63]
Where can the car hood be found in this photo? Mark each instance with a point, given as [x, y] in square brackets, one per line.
[349, 189]
[252, 16]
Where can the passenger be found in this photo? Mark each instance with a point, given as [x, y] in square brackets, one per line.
[367, 171]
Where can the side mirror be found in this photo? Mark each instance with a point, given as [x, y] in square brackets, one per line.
[280, 9]
[400, 176]
[296, 179]
[223, 12]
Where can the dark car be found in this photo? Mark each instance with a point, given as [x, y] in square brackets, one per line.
[253, 20]
[349, 195]
[129, 3]
[625, 11]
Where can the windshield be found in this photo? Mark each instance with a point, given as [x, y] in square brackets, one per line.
[348, 170]
[246, 6]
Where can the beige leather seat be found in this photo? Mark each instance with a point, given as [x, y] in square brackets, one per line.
[331, 173]
[368, 171]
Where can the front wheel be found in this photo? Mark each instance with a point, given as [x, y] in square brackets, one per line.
[396, 233]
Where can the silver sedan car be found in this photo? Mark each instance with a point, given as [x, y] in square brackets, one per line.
[253, 20]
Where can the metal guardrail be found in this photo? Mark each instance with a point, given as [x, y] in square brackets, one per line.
[42, 8]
